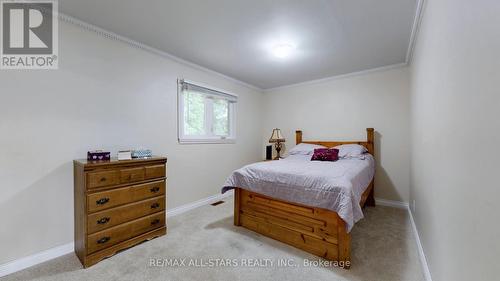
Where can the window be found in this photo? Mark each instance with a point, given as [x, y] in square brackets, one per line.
[205, 115]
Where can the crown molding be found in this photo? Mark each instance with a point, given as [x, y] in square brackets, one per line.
[113, 36]
[341, 76]
[409, 54]
[417, 19]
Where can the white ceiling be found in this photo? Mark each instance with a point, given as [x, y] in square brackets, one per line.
[235, 37]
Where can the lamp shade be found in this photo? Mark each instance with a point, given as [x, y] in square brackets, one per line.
[277, 136]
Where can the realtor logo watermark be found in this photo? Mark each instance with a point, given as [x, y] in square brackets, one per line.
[29, 34]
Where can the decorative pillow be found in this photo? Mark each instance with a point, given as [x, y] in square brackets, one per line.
[325, 154]
[304, 149]
[351, 150]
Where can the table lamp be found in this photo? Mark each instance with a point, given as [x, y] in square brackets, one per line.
[277, 139]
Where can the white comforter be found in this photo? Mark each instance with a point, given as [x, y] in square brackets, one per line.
[335, 186]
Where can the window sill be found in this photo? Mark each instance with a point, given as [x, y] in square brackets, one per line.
[206, 141]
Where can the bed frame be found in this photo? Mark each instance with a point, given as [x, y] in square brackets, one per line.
[315, 230]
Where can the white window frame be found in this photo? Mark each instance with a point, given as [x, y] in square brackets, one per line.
[210, 138]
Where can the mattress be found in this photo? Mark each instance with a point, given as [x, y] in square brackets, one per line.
[336, 186]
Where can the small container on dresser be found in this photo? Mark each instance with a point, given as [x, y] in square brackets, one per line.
[118, 204]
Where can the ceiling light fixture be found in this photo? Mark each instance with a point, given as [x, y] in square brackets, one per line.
[283, 50]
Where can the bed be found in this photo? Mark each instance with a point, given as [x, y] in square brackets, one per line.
[303, 216]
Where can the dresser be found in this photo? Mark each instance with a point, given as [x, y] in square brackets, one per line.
[118, 204]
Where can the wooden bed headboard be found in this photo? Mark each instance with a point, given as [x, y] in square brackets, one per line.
[368, 143]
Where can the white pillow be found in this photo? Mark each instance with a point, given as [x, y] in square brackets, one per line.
[350, 150]
[304, 149]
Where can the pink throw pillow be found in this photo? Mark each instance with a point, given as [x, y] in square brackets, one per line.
[325, 154]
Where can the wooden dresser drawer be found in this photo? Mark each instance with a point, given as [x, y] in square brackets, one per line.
[122, 232]
[102, 178]
[118, 204]
[111, 217]
[157, 171]
[106, 199]
[131, 175]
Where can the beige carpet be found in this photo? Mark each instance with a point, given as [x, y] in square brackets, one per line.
[383, 249]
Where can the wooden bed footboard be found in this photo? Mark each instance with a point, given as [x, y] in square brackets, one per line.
[315, 230]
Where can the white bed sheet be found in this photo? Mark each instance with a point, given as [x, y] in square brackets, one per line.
[335, 186]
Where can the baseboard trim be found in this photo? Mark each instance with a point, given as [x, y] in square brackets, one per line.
[190, 206]
[29, 261]
[391, 203]
[421, 254]
[420, 249]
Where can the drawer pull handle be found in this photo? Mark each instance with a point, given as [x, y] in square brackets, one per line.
[155, 205]
[155, 189]
[102, 201]
[103, 179]
[103, 240]
[155, 221]
[104, 220]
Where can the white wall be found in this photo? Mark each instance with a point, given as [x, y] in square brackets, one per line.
[342, 109]
[455, 136]
[105, 95]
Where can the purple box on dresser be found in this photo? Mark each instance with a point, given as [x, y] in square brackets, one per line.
[98, 155]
